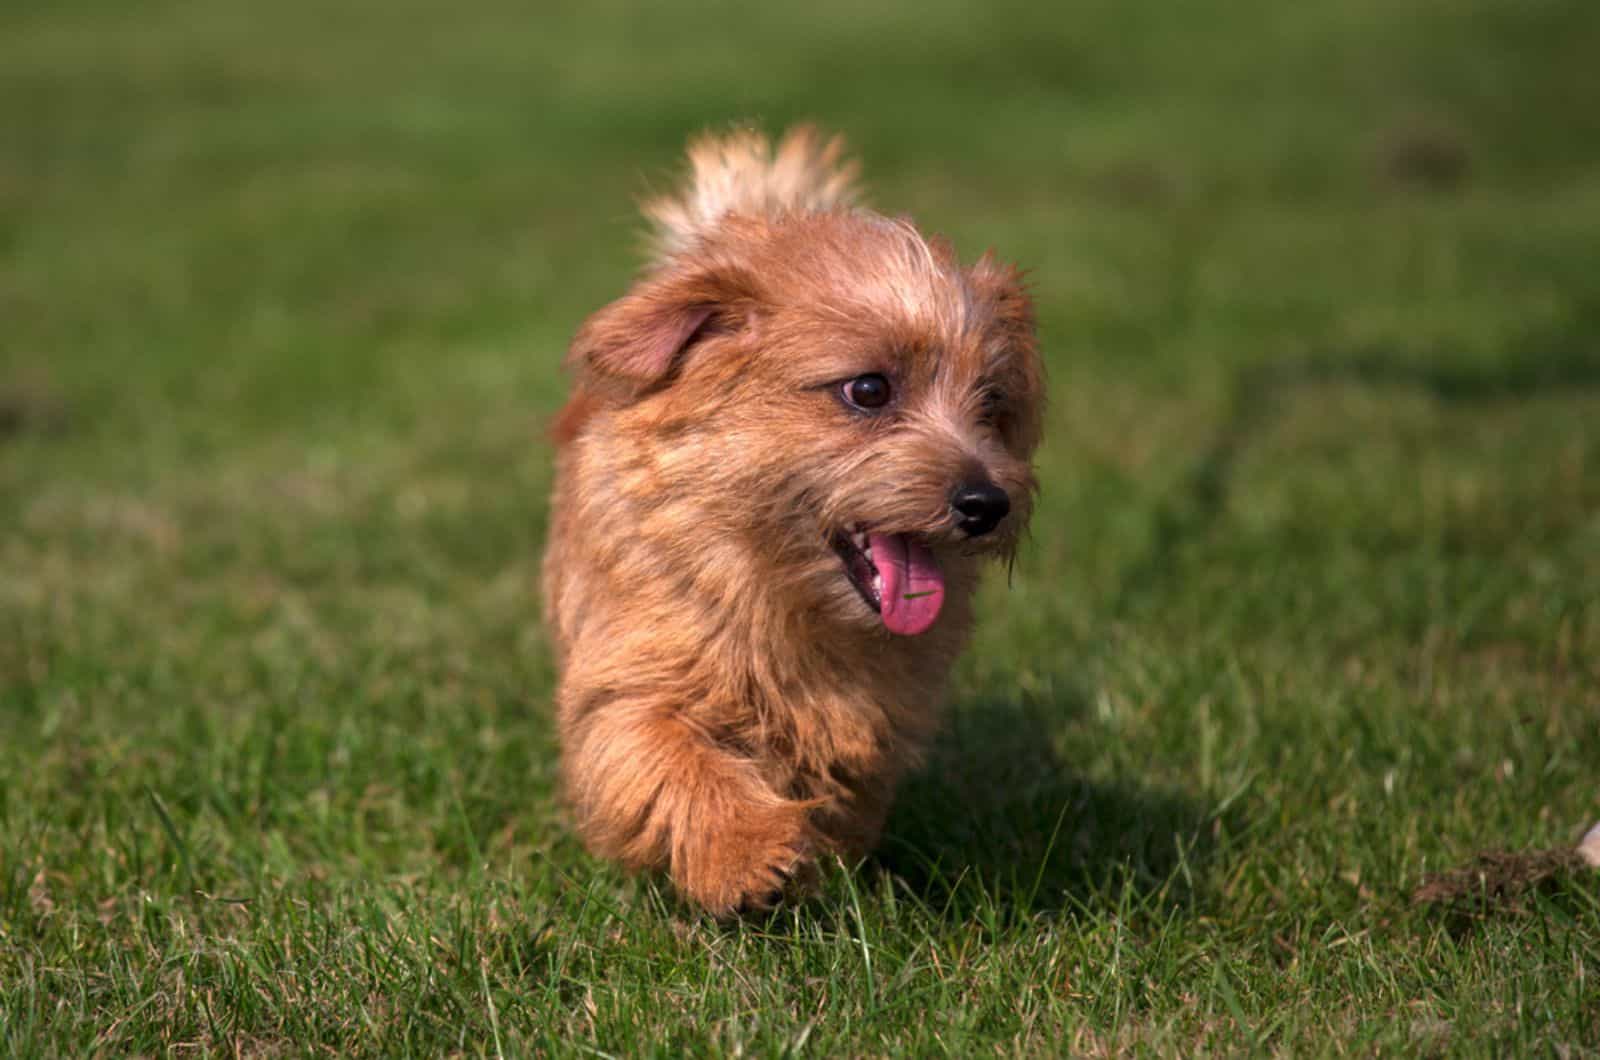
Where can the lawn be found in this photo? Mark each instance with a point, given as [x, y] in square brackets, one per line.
[1310, 608]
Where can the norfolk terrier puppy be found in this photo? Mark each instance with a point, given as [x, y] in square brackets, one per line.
[787, 453]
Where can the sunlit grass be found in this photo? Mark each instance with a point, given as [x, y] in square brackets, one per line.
[1310, 607]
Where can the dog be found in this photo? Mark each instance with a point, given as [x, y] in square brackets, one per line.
[786, 455]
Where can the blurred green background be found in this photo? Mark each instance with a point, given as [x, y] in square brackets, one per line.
[1311, 606]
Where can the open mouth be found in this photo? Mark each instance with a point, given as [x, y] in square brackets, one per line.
[897, 575]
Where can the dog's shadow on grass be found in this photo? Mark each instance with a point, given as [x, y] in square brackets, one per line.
[999, 816]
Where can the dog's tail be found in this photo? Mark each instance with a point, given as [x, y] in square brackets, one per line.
[741, 173]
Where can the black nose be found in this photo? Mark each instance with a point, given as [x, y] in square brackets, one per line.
[979, 507]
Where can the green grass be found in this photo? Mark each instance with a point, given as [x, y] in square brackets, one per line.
[1311, 606]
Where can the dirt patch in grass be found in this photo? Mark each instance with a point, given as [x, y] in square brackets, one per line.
[1497, 882]
[1423, 152]
[30, 408]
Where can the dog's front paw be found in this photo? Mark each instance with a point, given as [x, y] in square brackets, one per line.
[746, 866]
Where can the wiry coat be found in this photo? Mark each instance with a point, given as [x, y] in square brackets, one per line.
[729, 707]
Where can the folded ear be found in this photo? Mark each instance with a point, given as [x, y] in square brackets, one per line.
[642, 337]
[1004, 289]
[1001, 291]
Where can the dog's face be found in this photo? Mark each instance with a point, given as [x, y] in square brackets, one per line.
[829, 404]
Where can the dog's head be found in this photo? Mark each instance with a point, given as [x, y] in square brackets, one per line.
[835, 395]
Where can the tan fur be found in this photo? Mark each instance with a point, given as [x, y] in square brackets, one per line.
[729, 707]
[740, 173]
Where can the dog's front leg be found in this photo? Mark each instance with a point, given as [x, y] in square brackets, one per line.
[654, 791]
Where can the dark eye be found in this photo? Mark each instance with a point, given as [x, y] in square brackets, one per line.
[994, 405]
[866, 391]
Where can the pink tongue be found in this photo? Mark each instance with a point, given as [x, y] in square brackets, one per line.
[913, 587]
